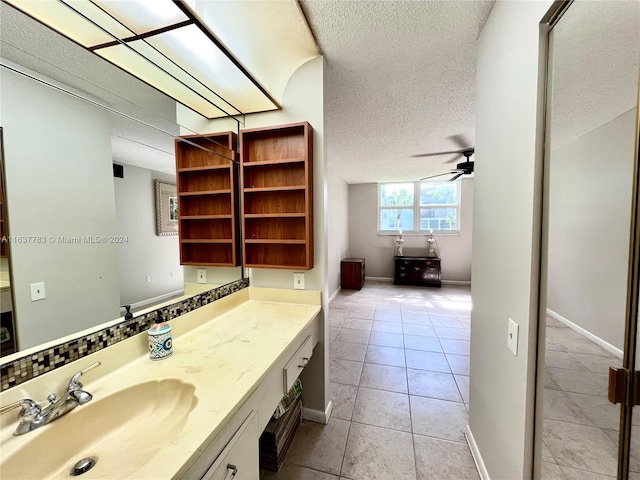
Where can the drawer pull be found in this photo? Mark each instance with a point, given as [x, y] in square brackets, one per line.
[305, 361]
[416, 269]
[231, 469]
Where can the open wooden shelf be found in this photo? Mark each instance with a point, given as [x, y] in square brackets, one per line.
[208, 199]
[277, 192]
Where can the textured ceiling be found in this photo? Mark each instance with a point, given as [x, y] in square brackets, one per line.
[596, 38]
[400, 81]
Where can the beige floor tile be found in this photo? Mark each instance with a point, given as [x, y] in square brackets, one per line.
[438, 418]
[333, 333]
[598, 363]
[433, 361]
[460, 364]
[551, 471]
[386, 339]
[375, 453]
[382, 409]
[562, 360]
[296, 472]
[362, 311]
[578, 381]
[416, 318]
[581, 446]
[345, 371]
[353, 335]
[387, 306]
[428, 344]
[357, 323]
[384, 377]
[347, 350]
[387, 316]
[463, 386]
[421, 330]
[443, 460]
[336, 321]
[453, 333]
[319, 447]
[390, 327]
[433, 384]
[598, 410]
[385, 355]
[343, 399]
[458, 347]
[575, 474]
[445, 321]
[558, 405]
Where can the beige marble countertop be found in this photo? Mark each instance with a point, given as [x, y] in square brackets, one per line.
[225, 358]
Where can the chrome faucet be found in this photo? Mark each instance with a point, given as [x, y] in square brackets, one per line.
[33, 416]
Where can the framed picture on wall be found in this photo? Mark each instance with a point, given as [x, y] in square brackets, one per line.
[166, 208]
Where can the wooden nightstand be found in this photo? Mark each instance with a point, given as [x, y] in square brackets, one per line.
[352, 273]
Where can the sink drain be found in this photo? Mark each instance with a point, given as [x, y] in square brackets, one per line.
[83, 466]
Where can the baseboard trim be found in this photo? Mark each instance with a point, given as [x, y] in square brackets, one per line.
[456, 282]
[379, 279]
[475, 453]
[335, 294]
[158, 299]
[586, 333]
[318, 416]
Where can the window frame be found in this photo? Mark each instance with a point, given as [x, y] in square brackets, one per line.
[417, 207]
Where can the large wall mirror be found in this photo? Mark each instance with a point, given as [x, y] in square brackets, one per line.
[591, 156]
[82, 238]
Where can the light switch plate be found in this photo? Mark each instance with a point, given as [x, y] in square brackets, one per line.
[202, 275]
[512, 337]
[298, 281]
[37, 291]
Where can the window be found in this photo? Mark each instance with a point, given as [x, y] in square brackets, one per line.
[418, 207]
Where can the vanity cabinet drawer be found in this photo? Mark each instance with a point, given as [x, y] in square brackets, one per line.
[294, 367]
[239, 459]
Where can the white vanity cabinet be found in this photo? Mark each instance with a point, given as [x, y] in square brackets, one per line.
[239, 459]
[234, 453]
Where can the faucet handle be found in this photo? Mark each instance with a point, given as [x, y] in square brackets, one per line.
[74, 383]
[29, 407]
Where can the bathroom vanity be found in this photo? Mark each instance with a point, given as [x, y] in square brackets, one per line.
[197, 414]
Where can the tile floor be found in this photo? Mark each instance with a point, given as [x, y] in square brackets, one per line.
[580, 429]
[399, 377]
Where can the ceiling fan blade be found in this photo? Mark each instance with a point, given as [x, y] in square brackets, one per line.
[460, 140]
[456, 176]
[434, 176]
[436, 154]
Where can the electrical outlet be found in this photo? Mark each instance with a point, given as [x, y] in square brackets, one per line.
[512, 337]
[37, 291]
[202, 275]
[298, 281]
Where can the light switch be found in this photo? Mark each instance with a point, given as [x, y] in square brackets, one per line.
[298, 281]
[202, 275]
[37, 291]
[512, 337]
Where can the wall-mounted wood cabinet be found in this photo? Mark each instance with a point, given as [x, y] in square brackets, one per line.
[207, 186]
[277, 194]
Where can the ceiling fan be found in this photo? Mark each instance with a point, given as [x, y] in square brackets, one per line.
[463, 168]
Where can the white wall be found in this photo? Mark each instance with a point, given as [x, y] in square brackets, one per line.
[378, 250]
[589, 212]
[59, 183]
[338, 229]
[303, 101]
[505, 228]
[144, 253]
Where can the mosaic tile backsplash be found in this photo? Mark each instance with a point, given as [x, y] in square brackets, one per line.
[37, 363]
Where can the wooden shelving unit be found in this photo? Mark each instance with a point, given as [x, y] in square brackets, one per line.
[208, 199]
[277, 193]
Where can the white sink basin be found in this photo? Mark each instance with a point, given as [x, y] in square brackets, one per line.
[122, 431]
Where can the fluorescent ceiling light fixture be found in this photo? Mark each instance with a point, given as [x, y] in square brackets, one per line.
[165, 44]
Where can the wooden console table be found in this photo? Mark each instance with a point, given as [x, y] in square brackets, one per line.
[417, 271]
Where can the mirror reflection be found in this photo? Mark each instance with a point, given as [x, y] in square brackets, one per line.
[591, 153]
[81, 187]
